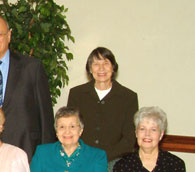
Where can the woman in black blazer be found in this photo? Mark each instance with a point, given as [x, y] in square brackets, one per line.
[107, 106]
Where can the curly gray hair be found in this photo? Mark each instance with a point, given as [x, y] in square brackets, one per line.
[154, 113]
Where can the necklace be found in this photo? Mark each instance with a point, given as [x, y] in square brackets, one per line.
[72, 158]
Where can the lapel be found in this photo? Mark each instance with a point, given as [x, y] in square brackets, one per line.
[13, 75]
[89, 89]
[82, 158]
[115, 91]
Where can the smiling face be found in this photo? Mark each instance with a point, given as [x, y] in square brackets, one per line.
[5, 36]
[68, 131]
[102, 70]
[148, 134]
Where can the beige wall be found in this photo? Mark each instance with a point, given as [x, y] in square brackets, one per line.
[153, 41]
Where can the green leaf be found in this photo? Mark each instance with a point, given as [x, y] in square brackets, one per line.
[22, 9]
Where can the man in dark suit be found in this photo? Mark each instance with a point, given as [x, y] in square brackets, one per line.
[26, 98]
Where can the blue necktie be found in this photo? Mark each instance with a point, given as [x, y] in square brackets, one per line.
[1, 87]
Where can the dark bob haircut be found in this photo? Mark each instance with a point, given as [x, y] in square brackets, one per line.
[98, 53]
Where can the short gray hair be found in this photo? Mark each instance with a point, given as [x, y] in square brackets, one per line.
[67, 112]
[155, 113]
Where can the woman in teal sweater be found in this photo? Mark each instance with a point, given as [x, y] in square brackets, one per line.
[70, 153]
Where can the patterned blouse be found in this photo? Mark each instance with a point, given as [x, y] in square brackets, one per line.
[166, 162]
[72, 158]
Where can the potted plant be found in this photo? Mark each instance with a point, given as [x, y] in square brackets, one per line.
[40, 29]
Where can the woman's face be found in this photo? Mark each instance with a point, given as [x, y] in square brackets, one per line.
[148, 134]
[102, 70]
[68, 130]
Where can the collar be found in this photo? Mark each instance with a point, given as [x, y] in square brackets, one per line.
[6, 57]
[90, 85]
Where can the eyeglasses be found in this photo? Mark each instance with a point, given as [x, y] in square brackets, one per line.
[71, 127]
[2, 35]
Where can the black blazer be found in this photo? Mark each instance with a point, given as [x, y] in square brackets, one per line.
[27, 105]
[109, 122]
